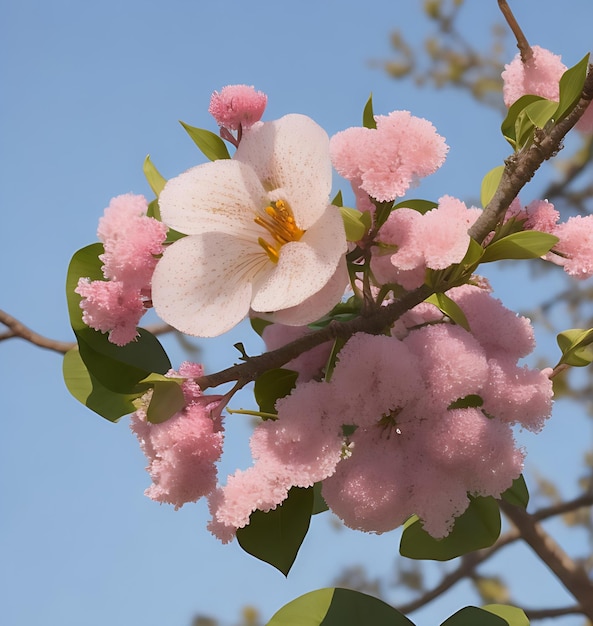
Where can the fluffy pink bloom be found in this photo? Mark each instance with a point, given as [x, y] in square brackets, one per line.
[387, 160]
[112, 307]
[132, 241]
[540, 76]
[574, 251]
[183, 450]
[414, 242]
[237, 106]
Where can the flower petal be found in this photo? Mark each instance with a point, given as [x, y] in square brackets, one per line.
[291, 154]
[304, 266]
[221, 196]
[203, 284]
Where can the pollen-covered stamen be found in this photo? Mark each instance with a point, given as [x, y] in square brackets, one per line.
[279, 221]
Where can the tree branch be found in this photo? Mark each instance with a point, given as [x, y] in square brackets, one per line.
[522, 43]
[535, 614]
[573, 577]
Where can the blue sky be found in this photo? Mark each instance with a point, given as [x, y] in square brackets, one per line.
[88, 90]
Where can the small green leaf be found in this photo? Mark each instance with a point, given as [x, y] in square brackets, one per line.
[473, 616]
[517, 493]
[356, 224]
[272, 385]
[167, 399]
[338, 200]
[276, 536]
[576, 347]
[541, 112]
[84, 264]
[258, 324]
[153, 176]
[330, 365]
[490, 184]
[90, 392]
[472, 401]
[211, 145]
[571, 86]
[450, 308]
[319, 503]
[527, 244]
[422, 206]
[306, 610]
[368, 117]
[154, 210]
[511, 614]
[478, 527]
[510, 126]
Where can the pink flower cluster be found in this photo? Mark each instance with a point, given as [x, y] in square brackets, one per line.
[574, 251]
[539, 76]
[237, 106]
[410, 242]
[407, 424]
[386, 161]
[132, 242]
[182, 451]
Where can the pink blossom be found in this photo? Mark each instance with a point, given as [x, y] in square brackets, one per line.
[132, 241]
[574, 251]
[387, 160]
[585, 124]
[111, 306]
[540, 76]
[237, 106]
[182, 451]
[413, 242]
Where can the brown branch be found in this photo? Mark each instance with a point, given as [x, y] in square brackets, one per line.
[563, 507]
[535, 614]
[522, 43]
[573, 577]
[18, 330]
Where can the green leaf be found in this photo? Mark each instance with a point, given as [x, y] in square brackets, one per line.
[211, 145]
[356, 224]
[541, 112]
[571, 86]
[258, 324]
[272, 385]
[490, 184]
[153, 176]
[276, 536]
[368, 117]
[422, 206]
[471, 401]
[517, 493]
[154, 210]
[510, 126]
[319, 503]
[167, 399]
[576, 347]
[511, 614]
[478, 527]
[338, 607]
[84, 264]
[90, 392]
[527, 244]
[450, 308]
[338, 200]
[473, 616]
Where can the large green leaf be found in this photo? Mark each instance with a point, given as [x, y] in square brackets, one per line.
[477, 528]
[571, 86]
[416, 204]
[90, 392]
[512, 124]
[338, 607]
[473, 616]
[84, 264]
[511, 614]
[167, 399]
[211, 145]
[272, 385]
[356, 224]
[527, 244]
[541, 112]
[276, 536]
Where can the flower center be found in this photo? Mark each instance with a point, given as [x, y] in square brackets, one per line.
[278, 220]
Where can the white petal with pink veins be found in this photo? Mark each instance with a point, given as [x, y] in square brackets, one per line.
[203, 284]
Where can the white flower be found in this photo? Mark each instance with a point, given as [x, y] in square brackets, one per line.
[261, 231]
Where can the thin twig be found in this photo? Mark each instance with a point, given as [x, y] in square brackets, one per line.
[522, 43]
[535, 614]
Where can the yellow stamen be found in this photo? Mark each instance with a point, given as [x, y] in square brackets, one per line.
[279, 222]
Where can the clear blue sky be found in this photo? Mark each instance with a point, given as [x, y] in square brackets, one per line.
[88, 89]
